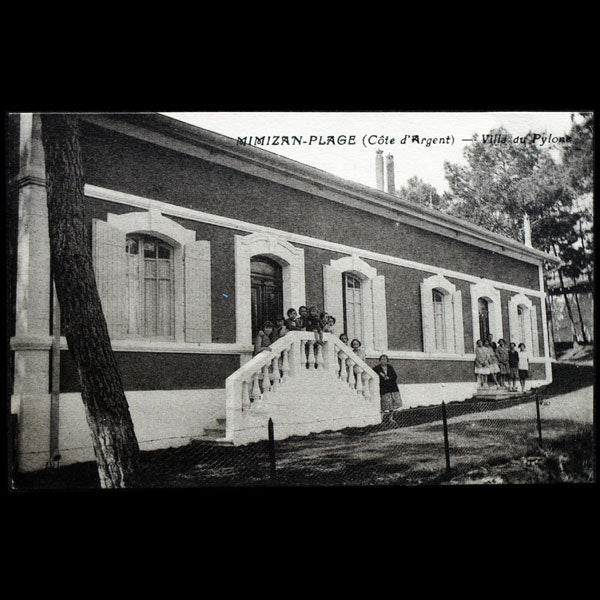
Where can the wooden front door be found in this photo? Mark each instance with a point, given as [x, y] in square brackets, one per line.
[267, 291]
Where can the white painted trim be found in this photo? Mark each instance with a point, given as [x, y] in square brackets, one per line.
[414, 355]
[514, 325]
[291, 260]
[219, 149]
[485, 290]
[366, 273]
[226, 222]
[25, 343]
[410, 355]
[448, 289]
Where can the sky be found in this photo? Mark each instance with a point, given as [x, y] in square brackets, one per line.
[357, 162]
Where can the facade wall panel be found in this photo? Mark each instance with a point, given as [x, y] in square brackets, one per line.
[160, 371]
[151, 171]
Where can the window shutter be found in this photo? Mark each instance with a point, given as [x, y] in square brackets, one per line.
[534, 332]
[332, 293]
[198, 322]
[513, 323]
[110, 267]
[380, 337]
[427, 318]
[459, 335]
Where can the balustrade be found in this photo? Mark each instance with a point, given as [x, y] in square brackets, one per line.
[295, 353]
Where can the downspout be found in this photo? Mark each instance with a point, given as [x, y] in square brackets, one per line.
[54, 458]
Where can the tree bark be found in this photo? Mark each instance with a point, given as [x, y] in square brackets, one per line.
[107, 413]
[584, 246]
[580, 318]
[564, 293]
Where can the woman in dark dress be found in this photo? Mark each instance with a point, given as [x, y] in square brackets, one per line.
[388, 389]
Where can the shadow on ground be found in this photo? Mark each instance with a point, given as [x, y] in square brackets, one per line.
[374, 455]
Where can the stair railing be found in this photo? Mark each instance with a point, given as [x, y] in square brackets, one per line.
[250, 387]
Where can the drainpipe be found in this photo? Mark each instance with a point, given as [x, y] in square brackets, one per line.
[55, 382]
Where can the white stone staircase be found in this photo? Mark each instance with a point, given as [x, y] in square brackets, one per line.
[303, 387]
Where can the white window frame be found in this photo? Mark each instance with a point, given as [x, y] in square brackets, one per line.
[453, 317]
[374, 310]
[492, 295]
[531, 340]
[153, 223]
[282, 252]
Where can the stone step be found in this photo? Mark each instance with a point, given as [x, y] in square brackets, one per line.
[214, 432]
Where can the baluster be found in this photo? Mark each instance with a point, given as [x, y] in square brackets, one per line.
[311, 355]
[366, 385]
[266, 378]
[285, 365]
[319, 357]
[359, 381]
[303, 354]
[351, 380]
[343, 373]
[245, 395]
[255, 394]
[275, 373]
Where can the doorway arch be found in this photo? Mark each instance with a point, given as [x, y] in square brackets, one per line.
[291, 261]
[266, 285]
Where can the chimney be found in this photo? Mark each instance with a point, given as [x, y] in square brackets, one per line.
[391, 186]
[527, 230]
[379, 169]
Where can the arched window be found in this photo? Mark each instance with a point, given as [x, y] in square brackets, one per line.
[484, 319]
[439, 320]
[441, 316]
[149, 287]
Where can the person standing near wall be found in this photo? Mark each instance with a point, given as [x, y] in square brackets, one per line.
[502, 356]
[523, 365]
[388, 389]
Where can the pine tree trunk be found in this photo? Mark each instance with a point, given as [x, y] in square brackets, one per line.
[580, 317]
[584, 246]
[567, 303]
[115, 444]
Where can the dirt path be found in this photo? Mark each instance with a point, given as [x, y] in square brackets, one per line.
[576, 406]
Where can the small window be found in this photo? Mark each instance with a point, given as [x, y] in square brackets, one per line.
[149, 288]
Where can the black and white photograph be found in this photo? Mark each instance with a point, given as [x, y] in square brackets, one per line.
[300, 299]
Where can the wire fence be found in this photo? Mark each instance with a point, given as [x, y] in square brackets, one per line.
[496, 441]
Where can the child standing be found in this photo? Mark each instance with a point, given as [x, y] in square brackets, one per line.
[313, 323]
[523, 365]
[279, 330]
[291, 323]
[502, 356]
[492, 361]
[301, 320]
[481, 364]
[513, 366]
[329, 325]
[263, 338]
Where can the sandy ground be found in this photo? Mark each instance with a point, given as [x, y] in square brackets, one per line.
[576, 406]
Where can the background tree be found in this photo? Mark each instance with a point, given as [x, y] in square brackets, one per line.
[107, 413]
[417, 191]
[503, 182]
